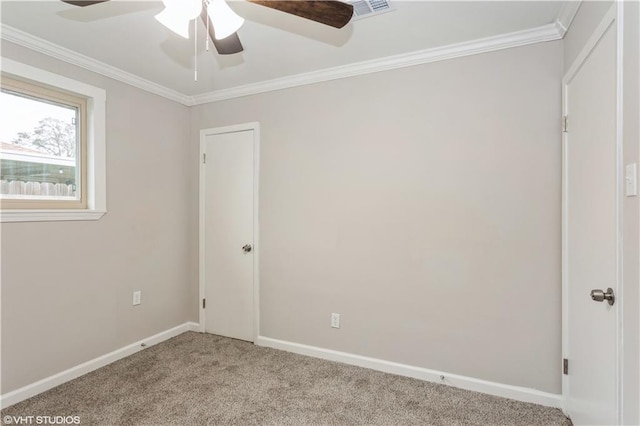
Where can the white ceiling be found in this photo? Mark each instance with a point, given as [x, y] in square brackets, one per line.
[125, 35]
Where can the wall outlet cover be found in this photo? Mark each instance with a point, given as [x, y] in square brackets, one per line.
[335, 320]
[137, 297]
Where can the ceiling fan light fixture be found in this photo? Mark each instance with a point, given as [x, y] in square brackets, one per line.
[225, 21]
[186, 9]
[177, 15]
[175, 23]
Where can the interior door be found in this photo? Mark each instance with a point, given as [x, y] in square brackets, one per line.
[590, 237]
[228, 236]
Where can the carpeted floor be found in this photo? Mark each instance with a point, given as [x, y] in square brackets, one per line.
[199, 378]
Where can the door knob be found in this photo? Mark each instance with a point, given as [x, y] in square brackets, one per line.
[600, 296]
[247, 248]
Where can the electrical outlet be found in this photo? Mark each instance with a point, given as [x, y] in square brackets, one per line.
[137, 297]
[335, 320]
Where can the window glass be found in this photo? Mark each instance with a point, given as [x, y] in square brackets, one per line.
[40, 147]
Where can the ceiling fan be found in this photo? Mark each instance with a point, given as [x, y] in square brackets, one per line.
[334, 13]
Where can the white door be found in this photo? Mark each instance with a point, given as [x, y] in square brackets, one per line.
[590, 242]
[227, 232]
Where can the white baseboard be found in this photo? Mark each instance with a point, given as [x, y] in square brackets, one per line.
[463, 382]
[498, 389]
[45, 384]
[193, 326]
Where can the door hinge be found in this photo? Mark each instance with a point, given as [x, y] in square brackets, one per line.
[204, 158]
[565, 124]
[204, 303]
[565, 366]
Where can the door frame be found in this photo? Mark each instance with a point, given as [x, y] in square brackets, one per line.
[255, 127]
[613, 16]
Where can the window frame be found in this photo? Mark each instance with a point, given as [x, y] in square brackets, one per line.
[95, 163]
[38, 92]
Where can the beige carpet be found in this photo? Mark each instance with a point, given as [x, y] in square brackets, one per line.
[205, 379]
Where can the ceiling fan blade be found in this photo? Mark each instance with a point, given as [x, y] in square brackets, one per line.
[329, 12]
[226, 46]
[84, 3]
[229, 45]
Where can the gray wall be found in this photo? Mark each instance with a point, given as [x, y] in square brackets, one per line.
[423, 205]
[67, 286]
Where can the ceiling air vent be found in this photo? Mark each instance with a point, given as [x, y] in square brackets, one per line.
[366, 8]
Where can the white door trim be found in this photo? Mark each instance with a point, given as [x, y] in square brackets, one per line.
[613, 15]
[255, 126]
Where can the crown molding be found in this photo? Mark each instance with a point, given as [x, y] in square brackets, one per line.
[549, 32]
[544, 33]
[567, 13]
[37, 44]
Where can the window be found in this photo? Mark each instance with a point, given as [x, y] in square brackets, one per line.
[52, 146]
[43, 147]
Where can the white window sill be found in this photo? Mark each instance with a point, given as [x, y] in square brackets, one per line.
[49, 215]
